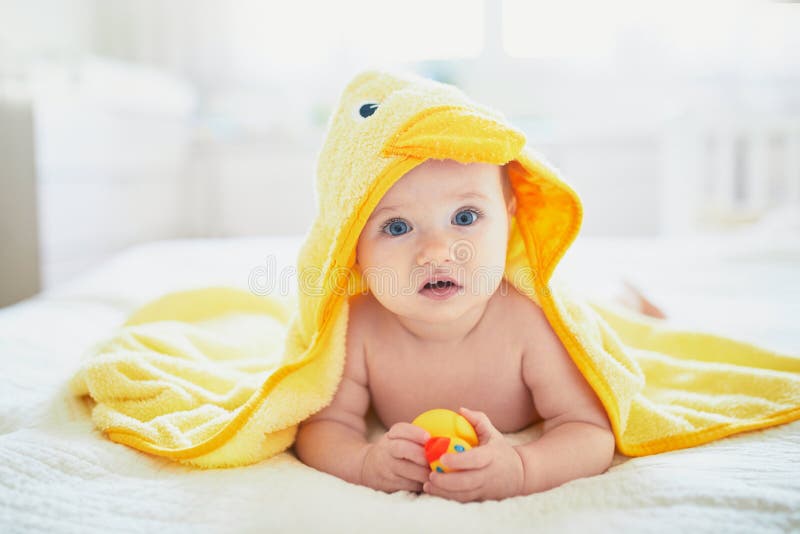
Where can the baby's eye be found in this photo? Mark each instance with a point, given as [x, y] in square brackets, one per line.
[466, 217]
[396, 227]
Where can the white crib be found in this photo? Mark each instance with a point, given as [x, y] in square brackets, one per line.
[721, 174]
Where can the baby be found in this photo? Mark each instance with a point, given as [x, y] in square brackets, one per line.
[440, 327]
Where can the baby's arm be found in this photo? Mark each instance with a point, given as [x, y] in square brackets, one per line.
[334, 439]
[577, 440]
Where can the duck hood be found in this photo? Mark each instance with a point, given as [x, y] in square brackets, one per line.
[220, 377]
[385, 124]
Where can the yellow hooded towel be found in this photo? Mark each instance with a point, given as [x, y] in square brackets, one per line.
[221, 377]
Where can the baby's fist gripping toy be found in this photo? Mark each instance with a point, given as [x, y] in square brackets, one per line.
[450, 432]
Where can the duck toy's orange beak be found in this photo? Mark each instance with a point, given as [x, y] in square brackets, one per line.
[450, 432]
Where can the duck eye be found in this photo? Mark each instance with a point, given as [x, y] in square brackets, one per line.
[367, 109]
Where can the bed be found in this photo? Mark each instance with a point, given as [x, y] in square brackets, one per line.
[59, 474]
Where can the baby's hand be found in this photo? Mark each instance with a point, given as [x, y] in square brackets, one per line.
[397, 460]
[491, 471]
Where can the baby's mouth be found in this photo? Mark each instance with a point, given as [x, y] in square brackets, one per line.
[440, 284]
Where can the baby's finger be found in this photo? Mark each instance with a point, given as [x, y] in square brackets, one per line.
[412, 471]
[475, 458]
[461, 496]
[405, 484]
[483, 426]
[402, 449]
[459, 480]
[409, 431]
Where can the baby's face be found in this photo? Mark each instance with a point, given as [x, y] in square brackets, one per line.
[441, 218]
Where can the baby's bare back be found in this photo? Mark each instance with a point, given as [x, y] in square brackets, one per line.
[407, 376]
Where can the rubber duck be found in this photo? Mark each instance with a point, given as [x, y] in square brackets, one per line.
[449, 431]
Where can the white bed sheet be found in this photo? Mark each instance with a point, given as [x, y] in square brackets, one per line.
[59, 474]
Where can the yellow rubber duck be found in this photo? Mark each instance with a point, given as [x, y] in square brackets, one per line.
[449, 431]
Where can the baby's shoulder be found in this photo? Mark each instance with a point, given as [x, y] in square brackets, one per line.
[514, 304]
[521, 315]
[359, 325]
[363, 316]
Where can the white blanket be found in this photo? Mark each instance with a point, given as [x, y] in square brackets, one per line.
[58, 474]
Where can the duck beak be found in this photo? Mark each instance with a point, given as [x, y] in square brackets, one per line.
[450, 132]
[436, 447]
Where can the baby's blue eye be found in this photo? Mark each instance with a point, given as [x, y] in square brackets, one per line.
[396, 227]
[466, 217]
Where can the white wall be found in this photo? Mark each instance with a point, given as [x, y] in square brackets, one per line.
[184, 119]
[19, 244]
[112, 146]
[28, 30]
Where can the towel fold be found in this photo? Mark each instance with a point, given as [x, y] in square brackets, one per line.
[219, 377]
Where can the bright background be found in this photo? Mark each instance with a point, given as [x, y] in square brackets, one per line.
[125, 121]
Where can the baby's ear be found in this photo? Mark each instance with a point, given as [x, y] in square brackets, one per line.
[512, 205]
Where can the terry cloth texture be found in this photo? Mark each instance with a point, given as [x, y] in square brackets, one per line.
[220, 377]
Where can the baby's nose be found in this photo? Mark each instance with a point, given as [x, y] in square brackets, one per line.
[435, 249]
